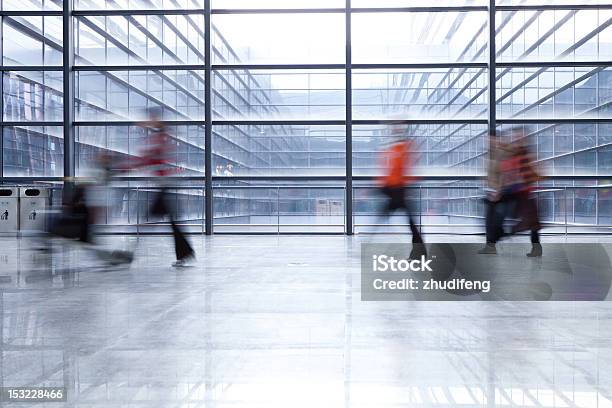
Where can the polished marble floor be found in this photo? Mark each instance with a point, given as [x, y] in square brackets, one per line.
[269, 321]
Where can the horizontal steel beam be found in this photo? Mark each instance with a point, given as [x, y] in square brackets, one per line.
[10, 123]
[18, 68]
[416, 9]
[221, 67]
[431, 121]
[554, 64]
[145, 189]
[544, 7]
[276, 122]
[419, 9]
[443, 178]
[535, 121]
[338, 186]
[141, 67]
[250, 67]
[423, 65]
[110, 123]
[280, 122]
[280, 11]
[315, 122]
[30, 13]
[137, 12]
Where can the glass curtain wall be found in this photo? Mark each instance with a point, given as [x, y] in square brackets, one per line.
[279, 109]
[32, 89]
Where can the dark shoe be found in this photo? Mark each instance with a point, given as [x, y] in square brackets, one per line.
[536, 251]
[488, 249]
[184, 262]
[418, 250]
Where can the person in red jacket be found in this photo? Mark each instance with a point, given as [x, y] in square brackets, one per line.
[521, 178]
[516, 177]
[156, 157]
[398, 162]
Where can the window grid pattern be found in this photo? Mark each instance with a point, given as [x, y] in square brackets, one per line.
[276, 116]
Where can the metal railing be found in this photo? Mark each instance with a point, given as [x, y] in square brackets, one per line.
[267, 216]
[565, 210]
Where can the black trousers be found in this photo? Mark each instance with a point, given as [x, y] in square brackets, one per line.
[162, 207]
[494, 221]
[396, 200]
[512, 205]
[75, 220]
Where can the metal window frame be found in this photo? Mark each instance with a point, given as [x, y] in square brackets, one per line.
[208, 194]
[492, 57]
[348, 138]
[544, 6]
[68, 63]
[1, 101]
[491, 64]
[31, 13]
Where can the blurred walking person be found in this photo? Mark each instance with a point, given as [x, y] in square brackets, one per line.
[156, 157]
[96, 195]
[512, 177]
[521, 176]
[494, 208]
[83, 211]
[398, 163]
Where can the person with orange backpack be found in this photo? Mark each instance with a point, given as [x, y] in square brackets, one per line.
[398, 162]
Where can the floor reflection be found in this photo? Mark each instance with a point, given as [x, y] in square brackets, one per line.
[278, 322]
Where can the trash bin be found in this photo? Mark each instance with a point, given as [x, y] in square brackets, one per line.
[32, 208]
[8, 209]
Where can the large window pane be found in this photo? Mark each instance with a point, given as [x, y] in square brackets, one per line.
[127, 143]
[138, 40]
[33, 96]
[559, 92]
[138, 4]
[279, 38]
[417, 3]
[439, 149]
[419, 37]
[276, 4]
[582, 149]
[283, 209]
[33, 151]
[128, 207]
[118, 95]
[32, 40]
[279, 94]
[13, 5]
[419, 94]
[449, 207]
[278, 150]
[546, 35]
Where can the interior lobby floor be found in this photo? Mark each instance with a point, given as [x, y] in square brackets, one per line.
[277, 321]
